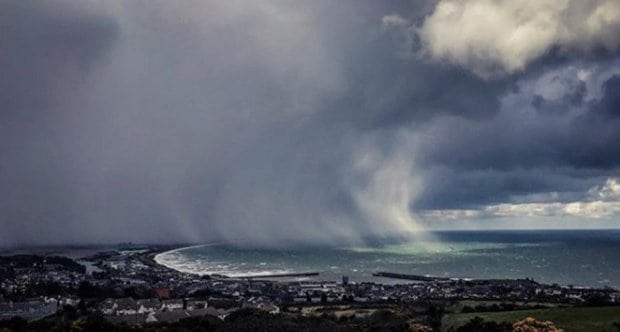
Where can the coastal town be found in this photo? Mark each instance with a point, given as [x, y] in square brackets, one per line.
[127, 286]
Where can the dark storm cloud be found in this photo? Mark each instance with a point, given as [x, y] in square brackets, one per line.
[267, 122]
[46, 47]
[46, 55]
[467, 189]
[562, 145]
[609, 106]
[595, 132]
[404, 92]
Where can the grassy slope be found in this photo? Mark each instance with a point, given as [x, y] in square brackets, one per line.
[570, 319]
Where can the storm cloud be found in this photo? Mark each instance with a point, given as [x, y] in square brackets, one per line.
[271, 122]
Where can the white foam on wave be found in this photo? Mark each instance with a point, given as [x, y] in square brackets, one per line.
[175, 259]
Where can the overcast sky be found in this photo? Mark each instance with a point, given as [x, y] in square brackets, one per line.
[316, 121]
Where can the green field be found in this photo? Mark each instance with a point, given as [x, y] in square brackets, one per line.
[591, 319]
[458, 306]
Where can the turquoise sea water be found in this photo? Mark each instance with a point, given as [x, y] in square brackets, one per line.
[585, 258]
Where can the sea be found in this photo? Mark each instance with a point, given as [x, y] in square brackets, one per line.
[567, 257]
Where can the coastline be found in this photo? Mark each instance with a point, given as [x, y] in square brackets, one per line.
[155, 256]
[82, 253]
[73, 252]
[202, 261]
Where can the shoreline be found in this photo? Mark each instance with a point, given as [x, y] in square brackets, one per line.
[153, 256]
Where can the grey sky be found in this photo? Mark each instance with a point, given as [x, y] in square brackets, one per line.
[315, 121]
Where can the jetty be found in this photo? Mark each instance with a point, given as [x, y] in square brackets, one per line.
[279, 275]
[414, 277]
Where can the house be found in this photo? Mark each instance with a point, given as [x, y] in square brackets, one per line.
[270, 308]
[116, 262]
[294, 309]
[69, 300]
[167, 316]
[126, 306]
[195, 304]
[210, 311]
[149, 305]
[162, 292]
[123, 306]
[223, 303]
[615, 297]
[261, 303]
[106, 307]
[31, 309]
[150, 318]
[173, 304]
[300, 299]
